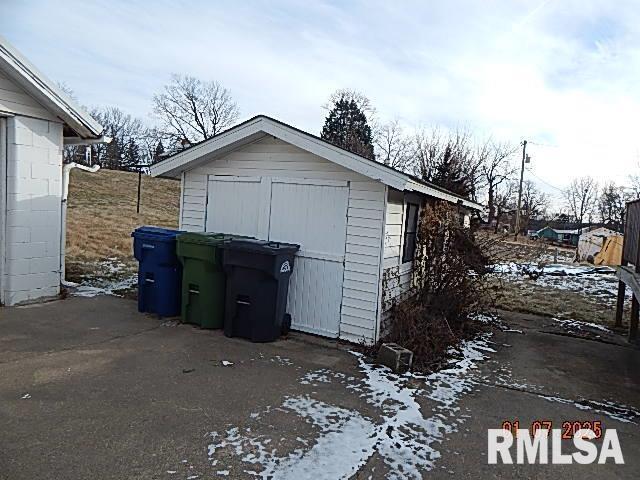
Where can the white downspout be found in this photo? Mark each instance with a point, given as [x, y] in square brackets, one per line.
[66, 170]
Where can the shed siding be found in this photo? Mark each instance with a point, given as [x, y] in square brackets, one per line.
[360, 298]
[273, 158]
[194, 202]
[396, 276]
[14, 99]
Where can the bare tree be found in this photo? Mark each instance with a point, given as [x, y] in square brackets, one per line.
[193, 109]
[580, 197]
[127, 137]
[427, 150]
[495, 161]
[394, 147]
[504, 201]
[362, 101]
[634, 187]
[449, 161]
[534, 202]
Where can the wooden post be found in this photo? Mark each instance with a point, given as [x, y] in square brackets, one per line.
[139, 187]
[635, 310]
[633, 323]
[621, 284]
[620, 304]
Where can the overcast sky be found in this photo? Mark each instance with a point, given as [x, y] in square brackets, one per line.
[564, 74]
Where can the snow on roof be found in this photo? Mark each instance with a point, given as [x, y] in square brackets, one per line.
[567, 232]
[564, 232]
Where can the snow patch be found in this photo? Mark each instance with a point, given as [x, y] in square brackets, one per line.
[595, 282]
[404, 436]
[621, 413]
[318, 376]
[573, 325]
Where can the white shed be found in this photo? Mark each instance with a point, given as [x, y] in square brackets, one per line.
[354, 218]
[591, 242]
[36, 121]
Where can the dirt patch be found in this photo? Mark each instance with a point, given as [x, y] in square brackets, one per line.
[505, 249]
[528, 297]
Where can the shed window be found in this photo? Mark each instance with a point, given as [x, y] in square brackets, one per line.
[410, 232]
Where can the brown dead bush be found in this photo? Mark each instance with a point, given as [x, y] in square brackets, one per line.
[448, 287]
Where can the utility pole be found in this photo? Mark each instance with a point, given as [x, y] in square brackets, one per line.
[524, 157]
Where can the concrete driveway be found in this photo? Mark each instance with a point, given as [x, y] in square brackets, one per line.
[89, 388]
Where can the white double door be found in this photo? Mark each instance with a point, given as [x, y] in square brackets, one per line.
[311, 213]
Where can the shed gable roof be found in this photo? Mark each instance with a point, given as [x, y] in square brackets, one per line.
[25, 74]
[262, 125]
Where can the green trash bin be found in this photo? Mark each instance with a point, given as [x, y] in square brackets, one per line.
[203, 279]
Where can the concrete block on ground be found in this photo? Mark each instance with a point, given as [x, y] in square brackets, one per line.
[396, 357]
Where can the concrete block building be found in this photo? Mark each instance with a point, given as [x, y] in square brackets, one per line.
[36, 120]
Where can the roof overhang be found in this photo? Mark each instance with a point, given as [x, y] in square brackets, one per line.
[25, 74]
[260, 126]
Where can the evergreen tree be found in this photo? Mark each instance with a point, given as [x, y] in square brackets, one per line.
[449, 173]
[130, 156]
[159, 152]
[112, 155]
[346, 126]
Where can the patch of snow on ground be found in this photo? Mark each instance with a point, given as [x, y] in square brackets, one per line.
[106, 288]
[503, 377]
[110, 277]
[282, 360]
[621, 413]
[318, 376]
[403, 436]
[343, 446]
[495, 321]
[573, 325]
[594, 281]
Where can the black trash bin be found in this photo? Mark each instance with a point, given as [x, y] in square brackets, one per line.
[258, 274]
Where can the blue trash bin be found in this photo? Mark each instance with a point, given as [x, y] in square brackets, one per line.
[159, 271]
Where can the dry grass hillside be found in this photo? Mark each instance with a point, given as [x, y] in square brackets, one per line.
[102, 214]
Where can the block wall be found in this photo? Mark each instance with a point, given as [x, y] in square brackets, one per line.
[34, 193]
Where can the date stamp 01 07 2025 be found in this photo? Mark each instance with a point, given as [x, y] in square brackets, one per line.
[569, 428]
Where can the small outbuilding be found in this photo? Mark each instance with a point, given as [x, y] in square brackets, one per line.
[592, 241]
[355, 219]
[568, 237]
[36, 121]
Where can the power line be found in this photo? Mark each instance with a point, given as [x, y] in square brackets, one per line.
[543, 144]
[544, 181]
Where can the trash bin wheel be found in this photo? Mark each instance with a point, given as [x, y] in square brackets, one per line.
[286, 323]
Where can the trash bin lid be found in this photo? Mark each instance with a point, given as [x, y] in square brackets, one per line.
[157, 233]
[203, 238]
[261, 246]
